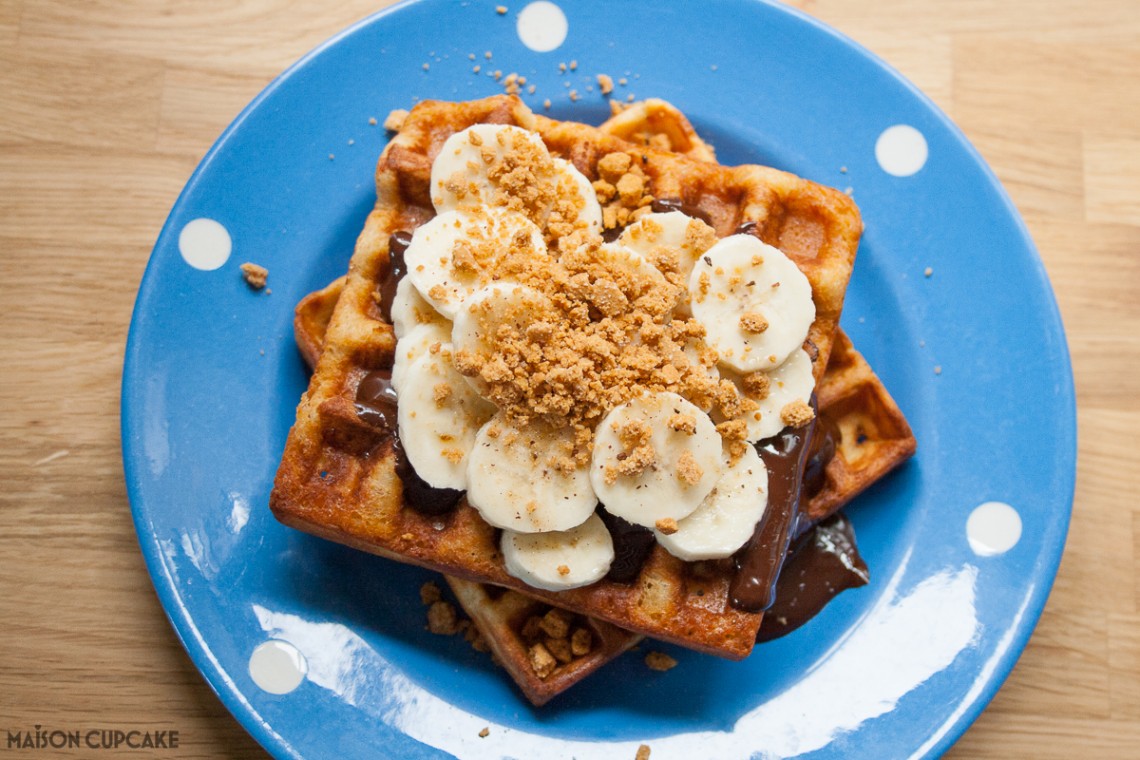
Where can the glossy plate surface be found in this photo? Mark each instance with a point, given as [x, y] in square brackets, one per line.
[321, 651]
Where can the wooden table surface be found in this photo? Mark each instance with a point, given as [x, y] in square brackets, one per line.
[106, 106]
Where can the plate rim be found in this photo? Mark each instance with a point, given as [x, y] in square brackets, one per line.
[181, 619]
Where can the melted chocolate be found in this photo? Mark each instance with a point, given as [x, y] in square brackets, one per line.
[753, 587]
[612, 234]
[823, 443]
[665, 205]
[632, 545]
[398, 242]
[417, 493]
[376, 406]
[376, 401]
[822, 563]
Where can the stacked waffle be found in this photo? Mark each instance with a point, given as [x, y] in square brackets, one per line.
[339, 475]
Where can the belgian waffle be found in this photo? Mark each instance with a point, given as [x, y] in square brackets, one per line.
[337, 478]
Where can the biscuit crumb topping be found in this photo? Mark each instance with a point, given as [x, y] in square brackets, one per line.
[753, 322]
[797, 414]
[756, 384]
[688, 471]
[667, 525]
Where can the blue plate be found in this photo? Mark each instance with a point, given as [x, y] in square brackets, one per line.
[321, 651]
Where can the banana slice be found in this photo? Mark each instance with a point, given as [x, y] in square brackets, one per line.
[409, 309]
[573, 187]
[670, 234]
[415, 344]
[655, 457]
[522, 479]
[457, 252]
[439, 416]
[727, 517]
[754, 302]
[560, 560]
[496, 312]
[791, 381]
[483, 165]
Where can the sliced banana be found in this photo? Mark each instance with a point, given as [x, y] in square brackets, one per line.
[439, 416]
[655, 457]
[457, 252]
[575, 189]
[480, 165]
[670, 234]
[417, 342]
[727, 517]
[496, 312]
[791, 381]
[754, 302]
[522, 478]
[560, 560]
[409, 309]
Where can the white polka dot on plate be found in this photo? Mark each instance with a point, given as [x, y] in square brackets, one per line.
[542, 26]
[993, 528]
[901, 150]
[204, 244]
[277, 667]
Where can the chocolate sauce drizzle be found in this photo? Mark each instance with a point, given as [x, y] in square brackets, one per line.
[632, 545]
[753, 587]
[665, 205]
[822, 562]
[376, 407]
[398, 242]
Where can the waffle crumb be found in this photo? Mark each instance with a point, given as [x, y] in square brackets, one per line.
[556, 623]
[563, 570]
[688, 471]
[797, 414]
[581, 642]
[484, 733]
[395, 119]
[667, 525]
[560, 648]
[429, 593]
[753, 322]
[532, 629]
[642, 752]
[255, 275]
[605, 84]
[442, 619]
[501, 10]
[542, 662]
[660, 661]
[927, 272]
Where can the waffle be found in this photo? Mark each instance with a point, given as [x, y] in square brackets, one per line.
[338, 481]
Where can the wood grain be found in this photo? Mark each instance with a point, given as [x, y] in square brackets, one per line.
[106, 107]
